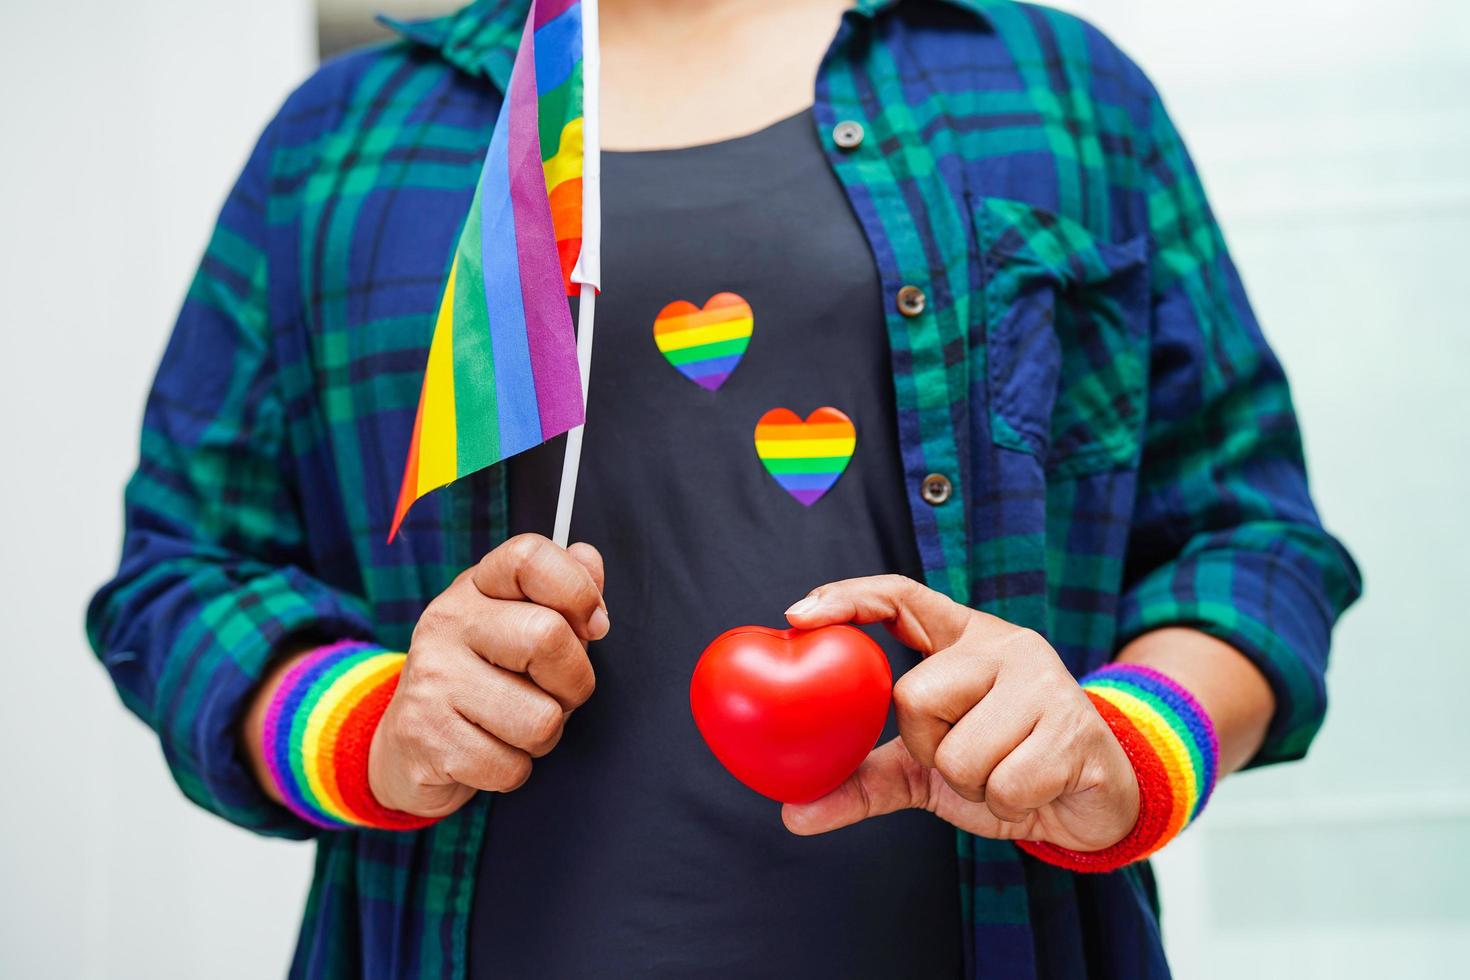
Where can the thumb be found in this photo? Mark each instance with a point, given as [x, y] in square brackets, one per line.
[589, 558]
[889, 779]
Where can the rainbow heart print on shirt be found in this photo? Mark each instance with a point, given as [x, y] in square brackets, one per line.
[705, 344]
[805, 457]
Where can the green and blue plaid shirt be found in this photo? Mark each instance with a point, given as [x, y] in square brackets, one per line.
[1085, 372]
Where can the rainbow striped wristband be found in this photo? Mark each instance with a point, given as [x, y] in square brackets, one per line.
[318, 729]
[1175, 754]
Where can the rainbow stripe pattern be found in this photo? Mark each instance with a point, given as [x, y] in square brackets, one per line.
[1175, 754]
[705, 344]
[318, 729]
[555, 32]
[502, 374]
[805, 457]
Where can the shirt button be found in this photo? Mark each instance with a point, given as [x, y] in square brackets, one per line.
[936, 489]
[847, 134]
[911, 301]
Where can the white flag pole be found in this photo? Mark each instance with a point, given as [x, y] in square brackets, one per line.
[588, 270]
[573, 460]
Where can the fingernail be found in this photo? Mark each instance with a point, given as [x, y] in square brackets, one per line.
[598, 624]
[809, 604]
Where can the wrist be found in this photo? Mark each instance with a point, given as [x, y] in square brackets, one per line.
[316, 731]
[252, 727]
[379, 780]
[1131, 795]
[1171, 744]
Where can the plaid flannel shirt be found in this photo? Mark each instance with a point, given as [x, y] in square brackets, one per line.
[1086, 372]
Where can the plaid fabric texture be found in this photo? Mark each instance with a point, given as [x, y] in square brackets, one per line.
[1086, 372]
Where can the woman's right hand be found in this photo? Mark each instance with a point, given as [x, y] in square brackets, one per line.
[497, 663]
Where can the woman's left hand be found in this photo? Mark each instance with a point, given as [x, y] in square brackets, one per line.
[995, 735]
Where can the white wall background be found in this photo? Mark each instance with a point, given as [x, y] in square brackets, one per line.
[1334, 137]
[124, 124]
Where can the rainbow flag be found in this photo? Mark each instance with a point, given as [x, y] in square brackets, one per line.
[502, 373]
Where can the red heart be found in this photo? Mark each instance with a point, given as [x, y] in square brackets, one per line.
[791, 713]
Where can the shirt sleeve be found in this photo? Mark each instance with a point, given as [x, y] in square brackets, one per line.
[1225, 537]
[211, 582]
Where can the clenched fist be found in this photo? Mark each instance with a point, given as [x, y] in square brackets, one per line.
[497, 663]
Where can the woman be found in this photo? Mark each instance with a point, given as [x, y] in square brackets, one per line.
[981, 247]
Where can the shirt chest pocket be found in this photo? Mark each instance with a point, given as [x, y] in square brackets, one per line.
[1066, 332]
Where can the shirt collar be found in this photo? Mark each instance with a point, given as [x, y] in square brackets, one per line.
[481, 38]
[868, 8]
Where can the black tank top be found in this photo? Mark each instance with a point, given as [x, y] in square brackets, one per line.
[631, 852]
